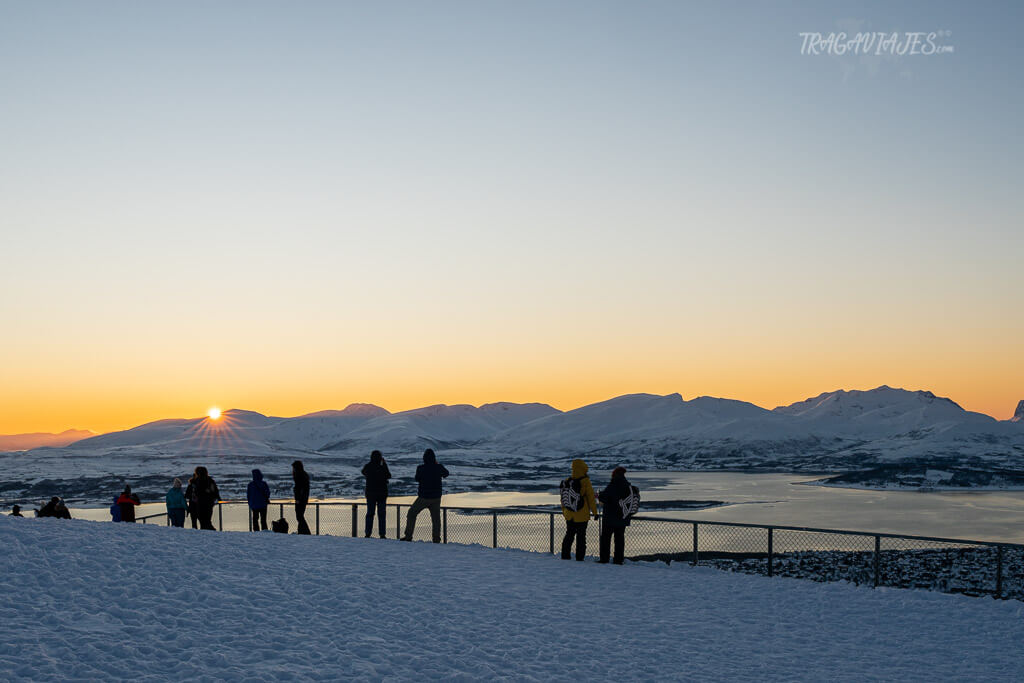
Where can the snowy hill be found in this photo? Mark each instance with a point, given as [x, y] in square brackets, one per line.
[101, 601]
[353, 410]
[881, 412]
[442, 425]
[640, 416]
[881, 424]
[1018, 415]
[880, 437]
[24, 442]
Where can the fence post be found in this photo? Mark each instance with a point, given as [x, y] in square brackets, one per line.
[445, 525]
[398, 521]
[696, 555]
[355, 520]
[494, 529]
[143, 520]
[316, 506]
[771, 553]
[999, 572]
[551, 537]
[878, 557]
[167, 520]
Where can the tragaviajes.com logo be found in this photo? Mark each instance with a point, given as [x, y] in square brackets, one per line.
[877, 43]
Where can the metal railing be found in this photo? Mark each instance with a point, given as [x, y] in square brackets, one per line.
[877, 559]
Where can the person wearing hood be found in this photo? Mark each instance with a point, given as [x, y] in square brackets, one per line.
[258, 494]
[578, 505]
[176, 504]
[429, 476]
[205, 496]
[301, 478]
[127, 502]
[614, 523]
[115, 511]
[377, 474]
[16, 511]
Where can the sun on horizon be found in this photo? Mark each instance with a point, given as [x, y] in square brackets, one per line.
[213, 413]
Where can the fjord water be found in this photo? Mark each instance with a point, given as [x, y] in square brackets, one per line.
[782, 499]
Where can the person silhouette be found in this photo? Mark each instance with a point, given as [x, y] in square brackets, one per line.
[301, 491]
[377, 474]
[429, 475]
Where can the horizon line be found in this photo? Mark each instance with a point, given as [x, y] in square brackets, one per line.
[560, 410]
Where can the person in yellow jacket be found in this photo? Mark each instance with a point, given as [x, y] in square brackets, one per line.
[578, 505]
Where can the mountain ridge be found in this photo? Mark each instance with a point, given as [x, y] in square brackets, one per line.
[840, 429]
[28, 441]
[881, 437]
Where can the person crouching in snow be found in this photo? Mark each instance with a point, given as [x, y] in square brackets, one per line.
[127, 502]
[578, 504]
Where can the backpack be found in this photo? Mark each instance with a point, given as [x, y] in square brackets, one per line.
[571, 492]
[631, 503]
[280, 525]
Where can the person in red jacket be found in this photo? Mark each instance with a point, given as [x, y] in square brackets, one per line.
[127, 502]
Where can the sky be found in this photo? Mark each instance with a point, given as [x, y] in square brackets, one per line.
[289, 207]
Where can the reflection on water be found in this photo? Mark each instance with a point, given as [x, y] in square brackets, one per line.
[781, 499]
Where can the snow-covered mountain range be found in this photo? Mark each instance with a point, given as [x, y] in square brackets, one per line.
[24, 442]
[885, 435]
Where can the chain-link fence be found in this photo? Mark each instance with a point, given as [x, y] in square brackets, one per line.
[939, 564]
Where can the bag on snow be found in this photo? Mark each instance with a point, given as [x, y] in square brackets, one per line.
[280, 525]
[571, 492]
[631, 503]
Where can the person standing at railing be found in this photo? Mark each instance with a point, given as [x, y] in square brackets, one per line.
[127, 502]
[205, 497]
[377, 474]
[115, 511]
[301, 478]
[176, 505]
[258, 494]
[614, 522]
[190, 501]
[578, 505]
[429, 475]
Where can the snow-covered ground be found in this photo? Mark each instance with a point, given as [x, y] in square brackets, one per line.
[87, 601]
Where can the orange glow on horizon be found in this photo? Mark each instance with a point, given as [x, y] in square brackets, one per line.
[113, 415]
[133, 383]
